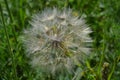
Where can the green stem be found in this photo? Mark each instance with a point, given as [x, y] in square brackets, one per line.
[113, 68]
[8, 42]
[101, 59]
[11, 18]
[21, 13]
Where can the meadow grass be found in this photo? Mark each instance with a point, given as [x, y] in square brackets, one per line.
[101, 15]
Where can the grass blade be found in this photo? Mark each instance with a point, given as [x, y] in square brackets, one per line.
[11, 19]
[9, 46]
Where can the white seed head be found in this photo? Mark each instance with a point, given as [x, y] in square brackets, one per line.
[57, 40]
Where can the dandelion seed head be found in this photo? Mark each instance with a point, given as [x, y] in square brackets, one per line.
[57, 40]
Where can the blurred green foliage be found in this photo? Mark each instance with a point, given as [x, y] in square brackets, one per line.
[102, 16]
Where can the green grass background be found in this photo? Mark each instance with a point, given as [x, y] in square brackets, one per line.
[103, 16]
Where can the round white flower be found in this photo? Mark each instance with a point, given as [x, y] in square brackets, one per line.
[57, 40]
